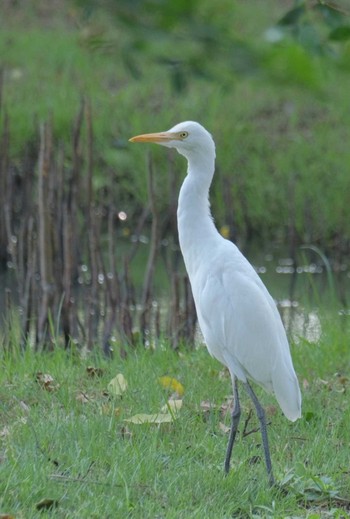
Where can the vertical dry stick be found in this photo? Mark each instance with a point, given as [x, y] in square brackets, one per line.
[4, 198]
[171, 255]
[292, 231]
[154, 246]
[74, 188]
[126, 318]
[20, 248]
[92, 215]
[67, 273]
[70, 229]
[71, 249]
[112, 284]
[140, 225]
[28, 274]
[27, 296]
[64, 236]
[174, 309]
[45, 234]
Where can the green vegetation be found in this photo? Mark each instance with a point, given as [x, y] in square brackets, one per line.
[278, 111]
[65, 438]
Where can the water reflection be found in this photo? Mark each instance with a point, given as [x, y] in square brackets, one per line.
[300, 323]
[303, 291]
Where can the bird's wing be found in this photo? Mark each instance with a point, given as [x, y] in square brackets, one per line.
[239, 319]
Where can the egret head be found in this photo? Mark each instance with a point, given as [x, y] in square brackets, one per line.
[188, 138]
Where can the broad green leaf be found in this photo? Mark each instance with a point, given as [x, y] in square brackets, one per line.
[341, 33]
[118, 385]
[292, 16]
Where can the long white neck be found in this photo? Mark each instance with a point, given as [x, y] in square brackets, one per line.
[197, 232]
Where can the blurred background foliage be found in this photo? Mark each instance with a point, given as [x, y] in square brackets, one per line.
[193, 38]
[269, 79]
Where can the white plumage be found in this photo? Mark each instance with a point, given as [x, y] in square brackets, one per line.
[239, 320]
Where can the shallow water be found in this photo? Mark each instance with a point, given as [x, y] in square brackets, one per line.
[302, 291]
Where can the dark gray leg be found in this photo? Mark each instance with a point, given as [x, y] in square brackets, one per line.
[236, 414]
[262, 419]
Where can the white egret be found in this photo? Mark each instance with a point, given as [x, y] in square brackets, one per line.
[239, 320]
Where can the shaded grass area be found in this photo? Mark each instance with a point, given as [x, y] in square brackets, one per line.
[68, 441]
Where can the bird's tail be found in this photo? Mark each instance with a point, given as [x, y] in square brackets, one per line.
[287, 391]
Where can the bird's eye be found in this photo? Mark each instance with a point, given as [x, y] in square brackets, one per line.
[183, 135]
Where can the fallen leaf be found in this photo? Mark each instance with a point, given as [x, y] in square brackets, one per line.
[173, 384]
[46, 504]
[224, 428]
[225, 231]
[343, 380]
[7, 516]
[172, 406]
[110, 410]
[125, 433]
[206, 406]
[83, 397]
[305, 383]
[118, 385]
[157, 418]
[324, 382]
[46, 381]
[271, 410]
[94, 372]
[226, 408]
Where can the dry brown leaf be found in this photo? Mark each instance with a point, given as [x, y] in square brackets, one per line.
[94, 372]
[83, 398]
[224, 428]
[271, 410]
[343, 380]
[125, 433]
[110, 409]
[226, 408]
[118, 385]
[207, 406]
[305, 383]
[7, 516]
[46, 381]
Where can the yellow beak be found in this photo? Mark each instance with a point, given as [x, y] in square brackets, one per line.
[158, 138]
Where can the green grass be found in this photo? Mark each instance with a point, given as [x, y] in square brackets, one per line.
[73, 445]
